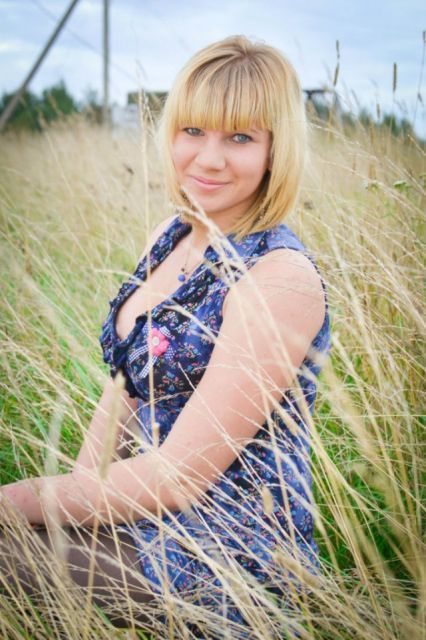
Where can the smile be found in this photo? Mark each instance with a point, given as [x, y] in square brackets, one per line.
[209, 185]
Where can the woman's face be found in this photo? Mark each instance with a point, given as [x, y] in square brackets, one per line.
[222, 170]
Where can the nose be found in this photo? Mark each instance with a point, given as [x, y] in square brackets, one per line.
[211, 154]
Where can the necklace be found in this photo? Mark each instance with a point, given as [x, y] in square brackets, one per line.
[185, 272]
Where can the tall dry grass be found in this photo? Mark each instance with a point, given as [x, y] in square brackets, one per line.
[76, 205]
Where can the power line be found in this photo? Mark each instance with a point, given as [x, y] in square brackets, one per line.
[155, 12]
[82, 41]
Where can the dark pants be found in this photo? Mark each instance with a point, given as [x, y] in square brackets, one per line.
[31, 564]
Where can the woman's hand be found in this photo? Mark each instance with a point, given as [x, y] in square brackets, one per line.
[127, 490]
[17, 500]
[59, 498]
[21, 497]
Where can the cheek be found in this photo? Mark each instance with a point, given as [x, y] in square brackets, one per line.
[254, 168]
[182, 152]
[178, 153]
[175, 156]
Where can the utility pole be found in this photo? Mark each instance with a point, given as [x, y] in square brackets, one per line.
[105, 107]
[8, 112]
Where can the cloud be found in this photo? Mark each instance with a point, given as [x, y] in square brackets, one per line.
[15, 46]
[150, 42]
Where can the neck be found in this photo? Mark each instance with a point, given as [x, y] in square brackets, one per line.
[199, 235]
[199, 232]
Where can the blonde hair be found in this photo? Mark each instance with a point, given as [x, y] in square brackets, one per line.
[230, 85]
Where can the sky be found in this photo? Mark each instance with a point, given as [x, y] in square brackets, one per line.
[152, 39]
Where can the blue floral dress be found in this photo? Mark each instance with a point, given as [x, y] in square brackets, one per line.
[231, 522]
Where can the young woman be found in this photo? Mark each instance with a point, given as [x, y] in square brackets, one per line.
[214, 345]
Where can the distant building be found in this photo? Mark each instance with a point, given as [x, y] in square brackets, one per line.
[155, 99]
[128, 117]
[321, 101]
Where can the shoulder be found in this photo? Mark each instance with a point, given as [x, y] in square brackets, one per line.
[282, 265]
[155, 234]
[287, 265]
[287, 282]
[285, 260]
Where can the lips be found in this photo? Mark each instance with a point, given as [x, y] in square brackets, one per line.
[204, 183]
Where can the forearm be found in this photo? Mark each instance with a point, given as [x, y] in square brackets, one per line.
[97, 447]
[110, 429]
[82, 497]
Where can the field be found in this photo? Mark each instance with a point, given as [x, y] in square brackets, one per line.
[76, 204]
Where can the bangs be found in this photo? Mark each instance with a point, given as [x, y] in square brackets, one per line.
[228, 98]
[231, 86]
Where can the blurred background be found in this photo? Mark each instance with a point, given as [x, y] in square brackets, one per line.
[364, 59]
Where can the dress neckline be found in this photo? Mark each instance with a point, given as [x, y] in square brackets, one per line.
[160, 250]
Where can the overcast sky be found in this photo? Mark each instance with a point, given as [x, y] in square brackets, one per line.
[152, 39]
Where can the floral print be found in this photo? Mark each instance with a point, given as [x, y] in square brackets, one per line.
[231, 515]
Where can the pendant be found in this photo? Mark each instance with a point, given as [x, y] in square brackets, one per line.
[181, 277]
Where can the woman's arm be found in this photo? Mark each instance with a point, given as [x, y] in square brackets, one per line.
[254, 360]
[113, 401]
[114, 416]
[125, 491]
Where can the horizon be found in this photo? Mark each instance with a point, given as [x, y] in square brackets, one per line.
[150, 43]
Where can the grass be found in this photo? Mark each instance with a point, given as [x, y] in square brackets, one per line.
[76, 205]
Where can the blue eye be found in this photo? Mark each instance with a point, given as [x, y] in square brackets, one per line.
[191, 130]
[242, 135]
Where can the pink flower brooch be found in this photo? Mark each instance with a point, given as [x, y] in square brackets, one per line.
[159, 340]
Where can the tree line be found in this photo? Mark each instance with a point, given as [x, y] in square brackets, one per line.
[35, 112]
